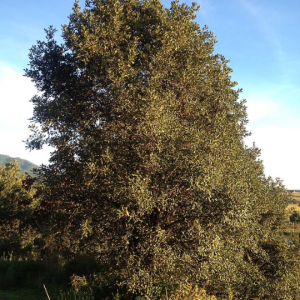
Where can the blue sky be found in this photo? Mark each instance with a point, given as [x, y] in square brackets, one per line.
[260, 38]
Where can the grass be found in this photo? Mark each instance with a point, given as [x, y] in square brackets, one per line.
[40, 294]
[293, 207]
[25, 279]
[295, 195]
[22, 294]
[294, 202]
[292, 229]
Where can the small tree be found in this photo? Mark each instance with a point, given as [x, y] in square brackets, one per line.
[16, 209]
[150, 172]
[295, 217]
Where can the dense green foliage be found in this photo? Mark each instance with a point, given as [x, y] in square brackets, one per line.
[17, 204]
[295, 217]
[150, 173]
[25, 165]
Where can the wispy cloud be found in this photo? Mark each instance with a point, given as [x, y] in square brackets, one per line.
[266, 19]
[207, 7]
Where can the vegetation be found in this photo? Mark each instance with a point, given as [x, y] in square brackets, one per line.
[291, 229]
[25, 279]
[295, 217]
[150, 180]
[28, 271]
[17, 203]
[25, 165]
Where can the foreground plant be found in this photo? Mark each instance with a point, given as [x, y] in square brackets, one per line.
[17, 204]
[191, 293]
[149, 172]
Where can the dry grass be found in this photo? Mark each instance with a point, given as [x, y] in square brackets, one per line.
[295, 196]
[292, 228]
[293, 207]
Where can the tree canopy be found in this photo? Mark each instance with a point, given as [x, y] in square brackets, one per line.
[150, 173]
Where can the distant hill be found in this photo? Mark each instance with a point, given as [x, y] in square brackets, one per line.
[25, 165]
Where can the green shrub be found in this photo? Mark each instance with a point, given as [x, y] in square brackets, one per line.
[295, 217]
[189, 292]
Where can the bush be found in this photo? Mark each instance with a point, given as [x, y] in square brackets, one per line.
[189, 292]
[17, 204]
[295, 217]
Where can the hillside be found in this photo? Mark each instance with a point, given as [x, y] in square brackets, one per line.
[25, 165]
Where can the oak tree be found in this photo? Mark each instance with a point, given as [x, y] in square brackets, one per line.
[149, 172]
